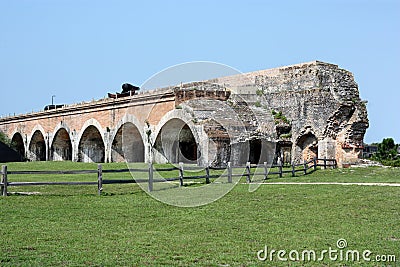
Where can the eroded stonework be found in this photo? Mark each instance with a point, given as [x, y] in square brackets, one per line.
[315, 108]
[323, 107]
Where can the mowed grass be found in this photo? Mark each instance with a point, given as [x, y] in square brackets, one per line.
[72, 226]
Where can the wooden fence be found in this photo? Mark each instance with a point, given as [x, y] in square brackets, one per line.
[248, 171]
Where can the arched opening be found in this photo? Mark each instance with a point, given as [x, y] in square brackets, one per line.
[308, 145]
[17, 143]
[37, 147]
[187, 144]
[127, 144]
[61, 149]
[176, 143]
[91, 146]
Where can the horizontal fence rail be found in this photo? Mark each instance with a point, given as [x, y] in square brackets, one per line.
[249, 171]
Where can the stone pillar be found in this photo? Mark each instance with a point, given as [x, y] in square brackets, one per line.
[240, 152]
[75, 144]
[327, 148]
[202, 146]
[47, 145]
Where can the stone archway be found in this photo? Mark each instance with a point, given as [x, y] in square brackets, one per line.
[17, 143]
[127, 144]
[91, 146]
[307, 146]
[61, 148]
[175, 143]
[37, 147]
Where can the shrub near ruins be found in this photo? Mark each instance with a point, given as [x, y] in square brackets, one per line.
[387, 153]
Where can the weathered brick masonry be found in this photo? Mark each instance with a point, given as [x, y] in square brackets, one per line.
[305, 110]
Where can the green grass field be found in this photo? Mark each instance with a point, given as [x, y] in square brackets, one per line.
[72, 226]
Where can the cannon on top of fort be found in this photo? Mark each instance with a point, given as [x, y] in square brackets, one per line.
[127, 90]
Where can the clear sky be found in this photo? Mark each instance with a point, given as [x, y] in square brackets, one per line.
[80, 50]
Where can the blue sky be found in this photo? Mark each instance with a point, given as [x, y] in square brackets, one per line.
[80, 50]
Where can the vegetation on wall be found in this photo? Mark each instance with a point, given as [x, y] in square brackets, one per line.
[279, 117]
[286, 136]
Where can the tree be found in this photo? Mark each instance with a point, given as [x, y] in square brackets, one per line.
[387, 150]
[4, 139]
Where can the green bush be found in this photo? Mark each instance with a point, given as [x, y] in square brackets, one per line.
[387, 153]
[4, 139]
[392, 163]
[279, 117]
[387, 150]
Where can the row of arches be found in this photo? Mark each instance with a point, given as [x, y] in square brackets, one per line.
[127, 143]
[91, 146]
[174, 141]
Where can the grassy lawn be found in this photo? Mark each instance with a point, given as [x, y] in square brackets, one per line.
[348, 175]
[72, 226]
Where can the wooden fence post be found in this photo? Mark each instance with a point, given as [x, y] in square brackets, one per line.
[324, 163]
[180, 173]
[315, 164]
[229, 166]
[1, 180]
[305, 167]
[248, 171]
[99, 179]
[265, 171]
[207, 174]
[293, 170]
[150, 176]
[280, 169]
[4, 180]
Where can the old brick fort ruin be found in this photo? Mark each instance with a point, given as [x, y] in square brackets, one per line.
[296, 113]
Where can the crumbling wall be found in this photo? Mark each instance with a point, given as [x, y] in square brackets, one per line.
[200, 90]
[317, 98]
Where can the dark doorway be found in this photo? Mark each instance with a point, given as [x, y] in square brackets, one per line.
[255, 151]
